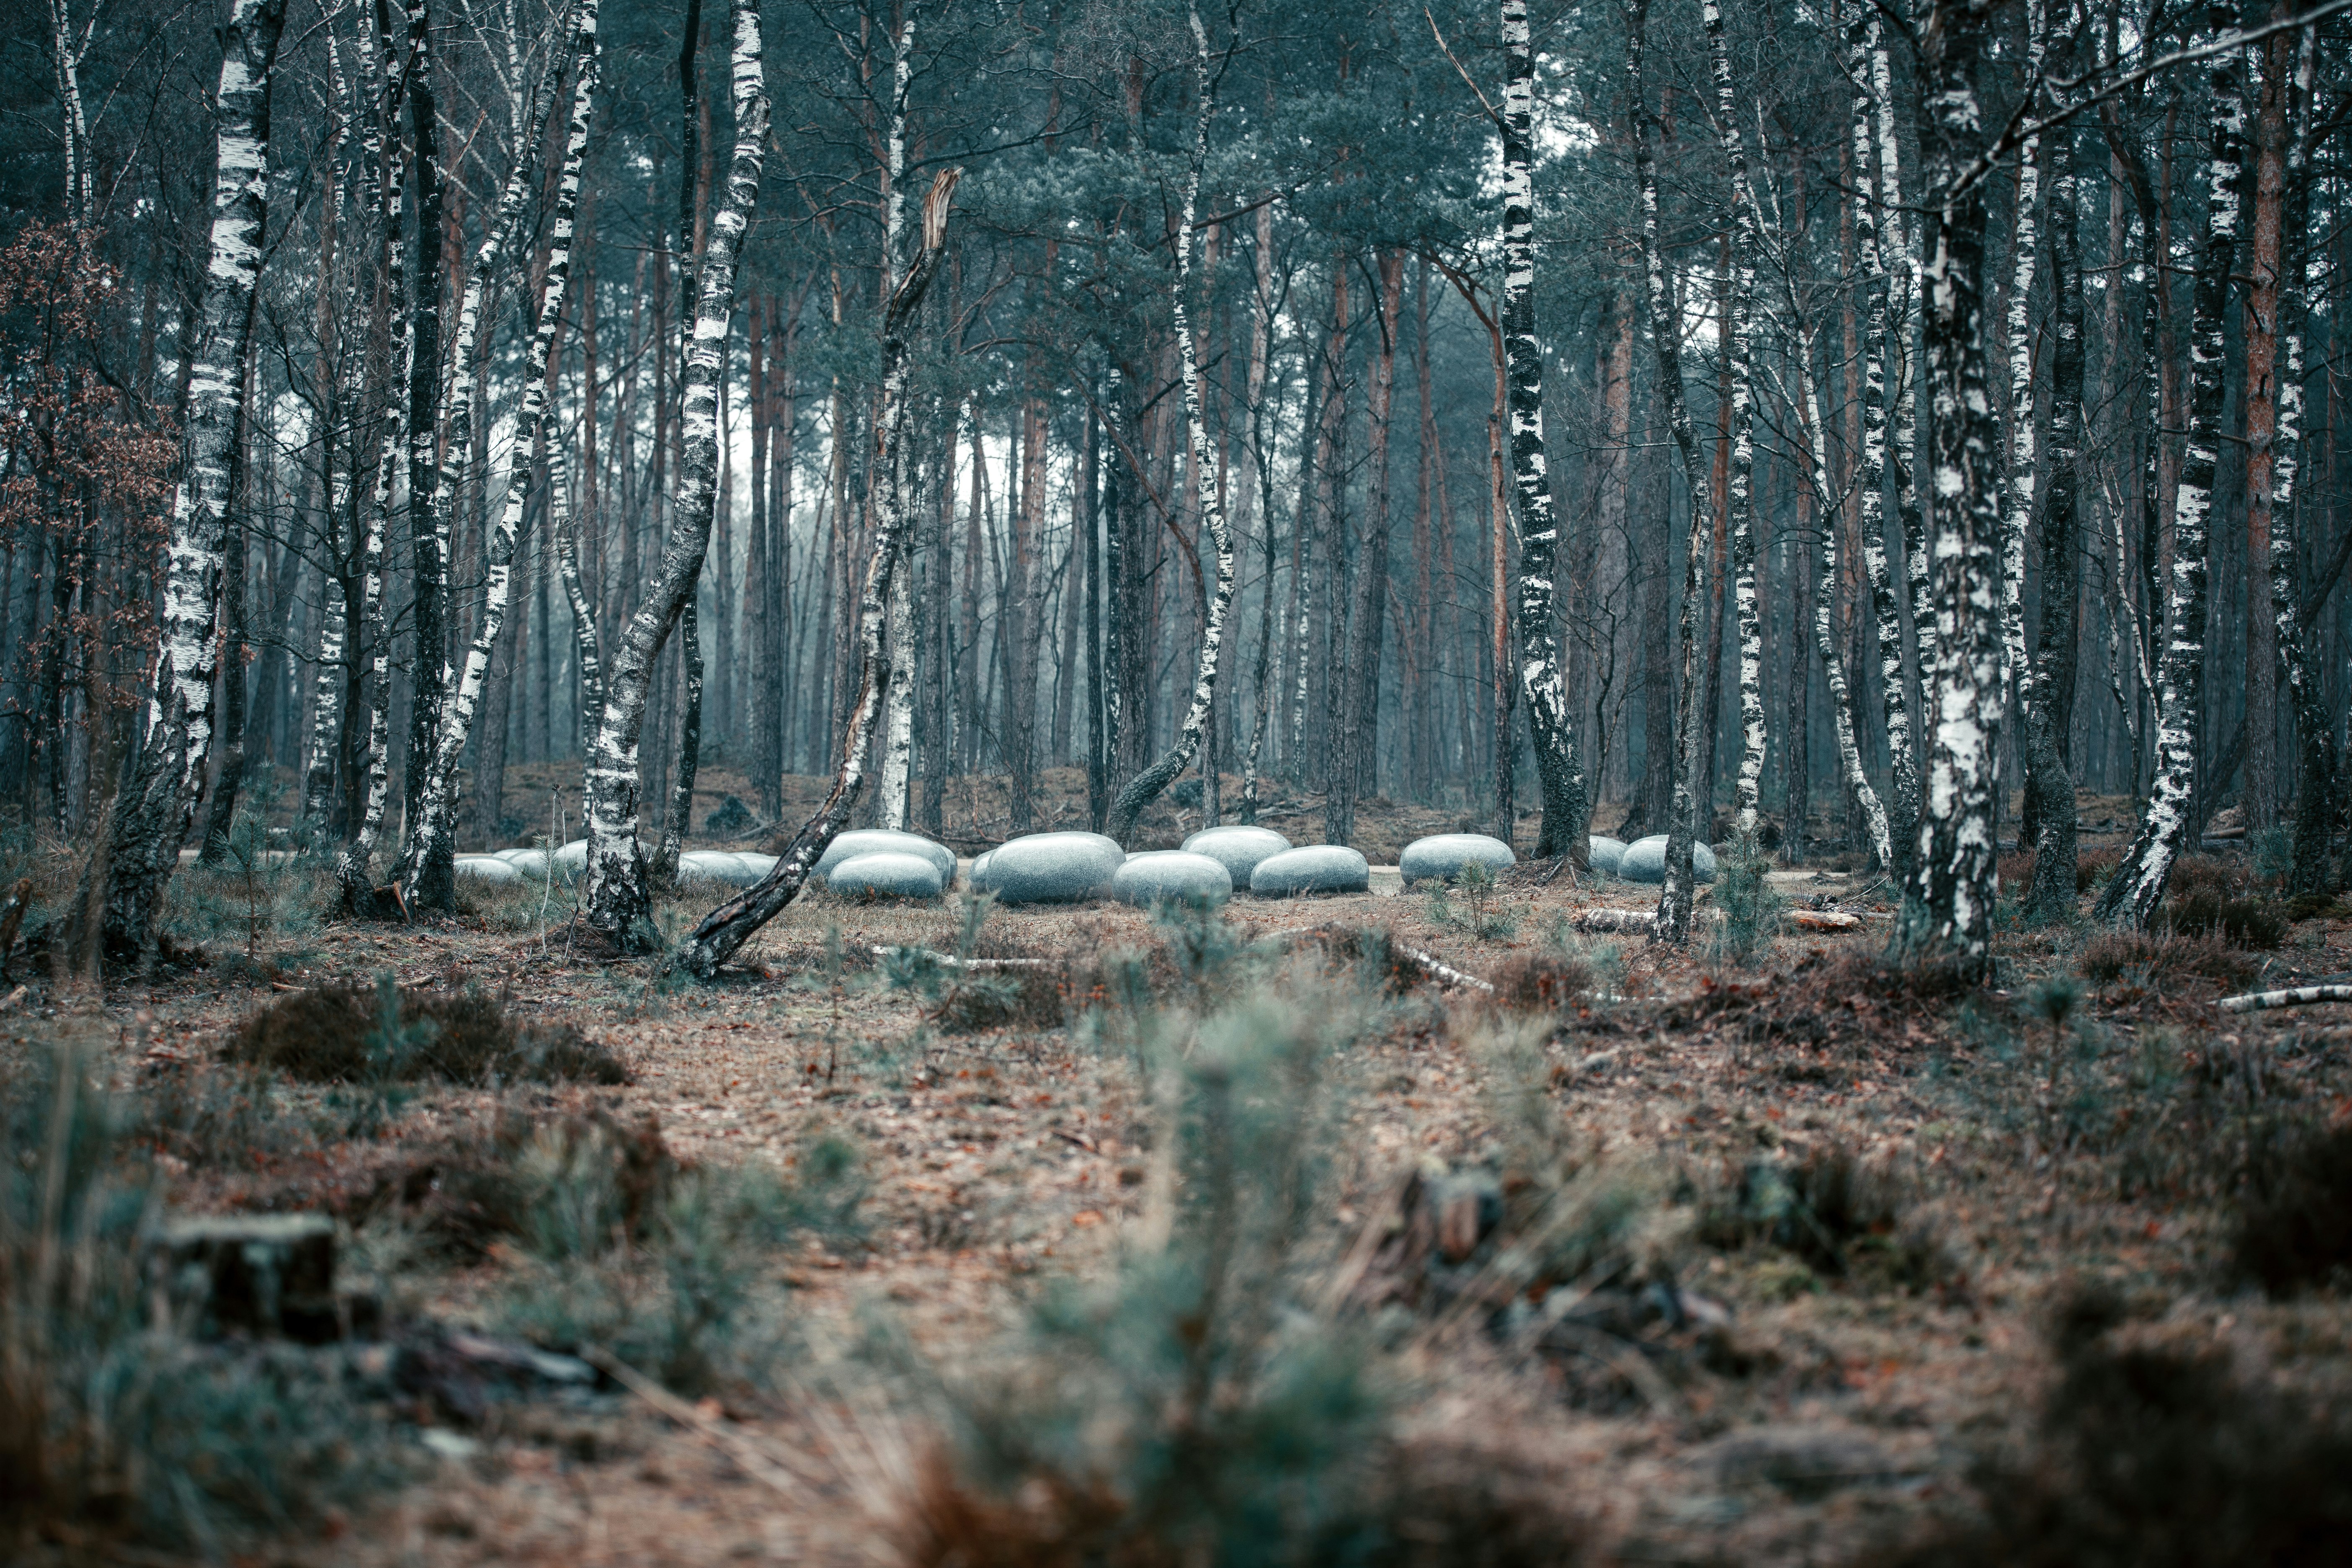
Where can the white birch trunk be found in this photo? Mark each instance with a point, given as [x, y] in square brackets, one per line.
[898, 699]
[433, 834]
[618, 898]
[2019, 515]
[1842, 709]
[1886, 279]
[66, 48]
[385, 95]
[1947, 906]
[152, 816]
[1740, 487]
[2137, 886]
[1663, 324]
[1140, 791]
[1542, 680]
[725, 929]
[1898, 246]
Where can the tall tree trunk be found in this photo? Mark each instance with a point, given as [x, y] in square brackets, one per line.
[141, 846]
[2261, 796]
[1676, 900]
[1359, 691]
[222, 814]
[2137, 886]
[618, 901]
[1141, 790]
[1261, 491]
[1741, 343]
[2317, 783]
[428, 526]
[1947, 906]
[1551, 723]
[2046, 687]
[897, 764]
[725, 929]
[433, 830]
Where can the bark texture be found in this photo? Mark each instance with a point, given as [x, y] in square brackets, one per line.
[153, 812]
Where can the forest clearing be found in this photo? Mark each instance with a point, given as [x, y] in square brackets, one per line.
[1113, 785]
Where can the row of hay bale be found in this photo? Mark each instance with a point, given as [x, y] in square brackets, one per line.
[1073, 867]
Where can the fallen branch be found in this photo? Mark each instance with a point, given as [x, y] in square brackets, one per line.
[2295, 997]
[1441, 971]
[1823, 919]
[754, 1463]
[1601, 919]
[946, 961]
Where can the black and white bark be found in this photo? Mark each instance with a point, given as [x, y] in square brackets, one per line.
[433, 832]
[2137, 886]
[1897, 245]
[719, 934]
[1825, 597]
[69, 46]
[678, 820]
[619, 901]
[1739, 487]
[1947, 906]
[1887, 282]
[1144, 787]
[1543, 681]
[897, 766]
[1261, 489]
[427, 526]
[1663, 324]
[153, 812]
[2025, 260]
[2316, 784]
[386, 94]
[2045, 690]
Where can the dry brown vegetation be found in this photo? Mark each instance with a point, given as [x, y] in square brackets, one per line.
[1640, 1257]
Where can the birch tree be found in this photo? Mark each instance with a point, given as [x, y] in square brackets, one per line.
[618, 901]
[719, 933]
[141, 846]
[1144, 787]
[1542, 678]
[2137, 886]
[431, 836]
[1740, 490]
[1664, 324]
[1947, 906]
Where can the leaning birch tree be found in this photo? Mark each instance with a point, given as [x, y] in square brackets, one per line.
[2137, 886]
[619, 900]
[433, 835]
[1144, 787]
[1663, 324]
[719, 933]
[152, 813]
[1542, 678]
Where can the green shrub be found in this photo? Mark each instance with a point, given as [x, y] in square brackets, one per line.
[1196, 1408]
[113, 1421]
[665, 1267]
[1749, 904]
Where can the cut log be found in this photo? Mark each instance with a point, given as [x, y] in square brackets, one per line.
[257, 1273]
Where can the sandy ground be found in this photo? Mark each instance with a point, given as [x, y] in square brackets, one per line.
[1002, 1160]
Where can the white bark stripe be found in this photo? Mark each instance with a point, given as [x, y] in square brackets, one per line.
[2139, 884]
[436, 825]
[153, 814]
[618, 898]
[1140, 791]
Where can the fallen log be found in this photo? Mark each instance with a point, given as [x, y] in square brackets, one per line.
[2294, 996]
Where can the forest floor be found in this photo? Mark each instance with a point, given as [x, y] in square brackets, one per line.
[1814, 1245]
